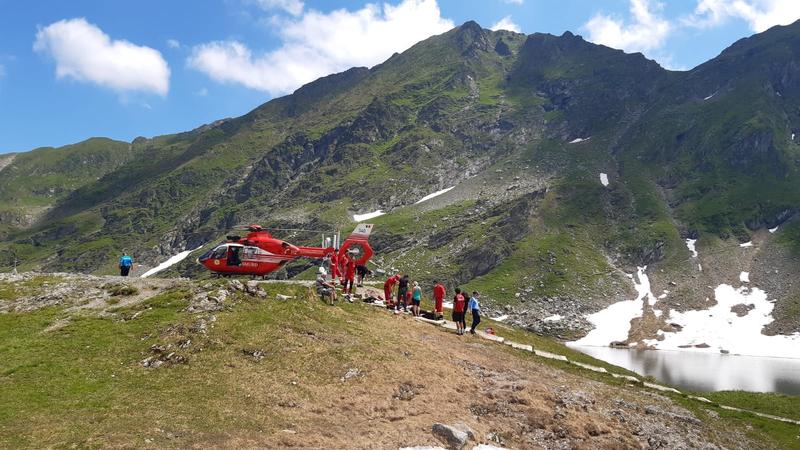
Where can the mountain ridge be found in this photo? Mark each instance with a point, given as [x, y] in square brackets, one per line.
[521, 127]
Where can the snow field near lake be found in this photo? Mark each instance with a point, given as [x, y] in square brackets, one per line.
[718, 326]
[603, 179]
[553, 318]
[614, 322]
[723, 329]
[578, 140]
[169, 263]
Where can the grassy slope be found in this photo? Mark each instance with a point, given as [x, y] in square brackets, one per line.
[82, 384]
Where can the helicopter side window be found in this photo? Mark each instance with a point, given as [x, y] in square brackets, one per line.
[234, 258]
[220, 252]
[249, 253]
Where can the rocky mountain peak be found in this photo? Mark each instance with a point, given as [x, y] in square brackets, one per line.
[471, 39]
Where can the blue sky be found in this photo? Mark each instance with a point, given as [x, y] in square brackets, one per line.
[74, 69]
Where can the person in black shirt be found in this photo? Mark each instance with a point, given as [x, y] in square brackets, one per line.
[402, 289]
[362, 272]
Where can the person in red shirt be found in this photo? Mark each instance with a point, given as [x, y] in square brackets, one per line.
[439, 292]
[349, 276]
[334, 266]
[459, 304]
[387, 289]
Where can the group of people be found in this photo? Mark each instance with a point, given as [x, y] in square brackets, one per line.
[399, 291]
[346, 270]
[409, 295]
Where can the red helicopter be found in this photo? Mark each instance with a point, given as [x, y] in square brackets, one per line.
[258, 253]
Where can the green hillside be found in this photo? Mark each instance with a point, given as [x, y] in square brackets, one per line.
[520, 126]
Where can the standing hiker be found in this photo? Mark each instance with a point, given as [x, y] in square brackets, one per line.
[439, 292]
[125, 264]
[416, 299]
[402, 289]
[475, 308]
[458, 311]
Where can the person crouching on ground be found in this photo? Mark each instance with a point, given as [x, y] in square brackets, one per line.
[475, 308]
[388, 287]
[324, 288]
[416, 299]
[125, 264]
[458, 311]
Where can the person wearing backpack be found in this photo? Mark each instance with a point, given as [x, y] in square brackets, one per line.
[125, 264]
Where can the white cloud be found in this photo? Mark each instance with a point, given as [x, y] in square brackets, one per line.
[317, 44]
[506, 24]
[2, 71]
[647, 30]
[202, 92]
[82, 51]
[293, 7]
[514, 2]
[759, 14]
[173, 43]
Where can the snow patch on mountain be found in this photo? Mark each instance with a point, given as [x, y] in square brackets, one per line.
[175, 259]
[435, 194]
[367, 216]
[744, 277]
[690, 243]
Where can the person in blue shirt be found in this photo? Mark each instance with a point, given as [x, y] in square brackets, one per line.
[474, 307]
[125, 264]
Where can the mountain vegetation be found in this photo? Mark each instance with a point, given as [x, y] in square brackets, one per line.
[521, 126]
